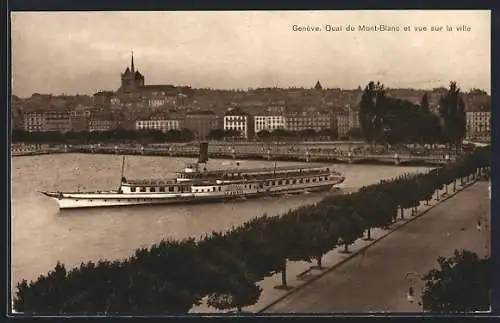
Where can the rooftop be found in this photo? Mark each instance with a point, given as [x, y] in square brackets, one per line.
[235, 112]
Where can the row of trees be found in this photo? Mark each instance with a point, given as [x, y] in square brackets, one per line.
[221, 134]
[226, 267]
[113, 136]
[155, 136]
[386, 119]
[305, 134]
[280, 134]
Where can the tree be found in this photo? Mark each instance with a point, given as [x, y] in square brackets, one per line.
[216, 134]
[355, 133]
[461, 284]
[391, 120]
[452, 113]
[280, 134]
[350, 223]
[232, 134]
[252, 241]
[325, 233]
[171, 289]
[433, 133]
[328, 133]
[230, 284]
[263, 135]
[307, 134]
[461, 122]
[375, 111]
[283, 231]
[375, 208]
[424, 104]
[186, 135]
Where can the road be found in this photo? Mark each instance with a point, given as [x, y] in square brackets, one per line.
[376, 281]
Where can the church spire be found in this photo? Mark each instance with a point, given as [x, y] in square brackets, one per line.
[132, 64]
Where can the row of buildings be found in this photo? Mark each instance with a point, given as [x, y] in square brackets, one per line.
[278, 118]
[199, 122]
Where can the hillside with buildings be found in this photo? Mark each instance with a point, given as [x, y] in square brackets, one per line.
[135, 105]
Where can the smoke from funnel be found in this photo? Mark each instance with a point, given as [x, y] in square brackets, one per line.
[203, 156]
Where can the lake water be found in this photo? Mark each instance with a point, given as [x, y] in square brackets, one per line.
[41, 235]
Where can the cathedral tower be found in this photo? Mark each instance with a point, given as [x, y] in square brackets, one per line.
[131, 79]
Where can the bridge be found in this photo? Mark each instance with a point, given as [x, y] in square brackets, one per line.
[387, 157]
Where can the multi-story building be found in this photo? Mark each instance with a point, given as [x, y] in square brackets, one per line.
[353, 118]
[478, 125]
[155, 96]
[33, 121]
[101, 121]
[160, 121]
[79, 119]
[240, 121]
[39, 121]
[103, 98]
[317, 120]
[346, 120]
[201, 122]
[57, 121]
[268, 122]
[342, 120]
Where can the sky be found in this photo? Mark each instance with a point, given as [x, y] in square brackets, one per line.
[85, 52]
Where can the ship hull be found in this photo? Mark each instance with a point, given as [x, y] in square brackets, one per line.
[116, 199]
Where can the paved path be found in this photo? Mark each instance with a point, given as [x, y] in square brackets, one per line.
[376, 281]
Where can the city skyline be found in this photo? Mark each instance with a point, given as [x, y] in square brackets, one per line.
[246, 49]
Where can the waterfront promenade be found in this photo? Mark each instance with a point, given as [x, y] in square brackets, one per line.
[374, 281]
[334, 152]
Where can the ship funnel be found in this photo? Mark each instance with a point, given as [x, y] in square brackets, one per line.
[203, 156]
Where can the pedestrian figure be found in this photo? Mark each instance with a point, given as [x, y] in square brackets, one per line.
[410, 295]
[479, 225]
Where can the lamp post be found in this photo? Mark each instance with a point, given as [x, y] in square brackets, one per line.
[276, 157]
[77, 173]
[487, 240]
[411, 276]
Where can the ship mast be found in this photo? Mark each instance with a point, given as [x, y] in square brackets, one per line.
[276, 158]
[123, 169]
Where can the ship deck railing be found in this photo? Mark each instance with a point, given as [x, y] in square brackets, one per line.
[270, 169]
[261, 171]
[224, 174]
[152, 182]
[86, 192]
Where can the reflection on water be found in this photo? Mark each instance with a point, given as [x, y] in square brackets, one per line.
[43, 235]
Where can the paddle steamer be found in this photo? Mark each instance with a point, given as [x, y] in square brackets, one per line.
[198, 184]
